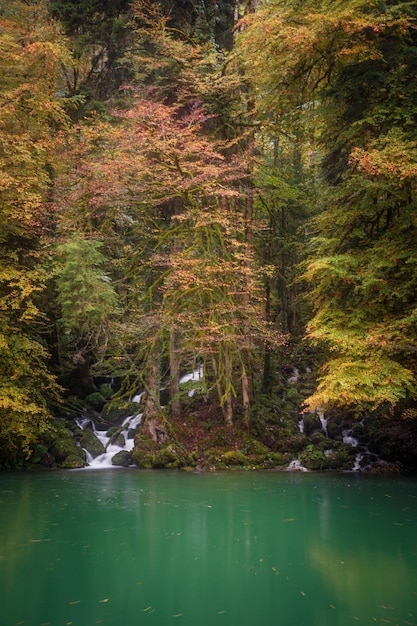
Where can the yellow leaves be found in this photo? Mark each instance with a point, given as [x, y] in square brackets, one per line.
[396, 159]
[367, 381]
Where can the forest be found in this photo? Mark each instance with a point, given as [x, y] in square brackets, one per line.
[224, 187]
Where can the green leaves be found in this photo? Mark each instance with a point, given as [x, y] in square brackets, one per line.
[86, 298]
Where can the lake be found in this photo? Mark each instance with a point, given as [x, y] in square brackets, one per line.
[133, 547]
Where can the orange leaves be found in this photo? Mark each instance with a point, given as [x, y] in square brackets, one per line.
[396, 159]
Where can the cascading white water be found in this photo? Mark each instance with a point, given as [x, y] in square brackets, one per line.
[295, 466]
[323, 421]
[130, 424]
[197, 374]
[347, 438]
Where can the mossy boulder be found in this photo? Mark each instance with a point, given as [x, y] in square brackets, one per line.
[214, 456]
[91, 443]
[122, 458]
[311, 423]
[148, 454]
[166, 458]
[117, 410]
[142, 458]
[334, 430]
[62, 448]
[256, 448]
[234, 458]
[278, 459]
[116, 437]
[73, 461]
[106, 391]
[95, 401]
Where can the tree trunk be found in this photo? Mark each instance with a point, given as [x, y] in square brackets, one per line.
[228, 413]
[174, 369]
[152, 422]
[224, 394]
[247, 343]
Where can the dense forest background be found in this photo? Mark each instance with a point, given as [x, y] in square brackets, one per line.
[223, 185]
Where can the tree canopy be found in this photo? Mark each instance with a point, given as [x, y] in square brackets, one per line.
[229, 185]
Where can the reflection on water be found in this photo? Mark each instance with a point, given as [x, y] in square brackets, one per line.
[126, 548]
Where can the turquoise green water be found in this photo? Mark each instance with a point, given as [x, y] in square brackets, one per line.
[131, 548]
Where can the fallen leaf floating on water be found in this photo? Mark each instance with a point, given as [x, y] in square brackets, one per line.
[276, 572]
[104, 600]
[332, 606]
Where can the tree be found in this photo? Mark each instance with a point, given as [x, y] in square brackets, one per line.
[98, 33]
[31, 116]
[87, 303]
[345, 68]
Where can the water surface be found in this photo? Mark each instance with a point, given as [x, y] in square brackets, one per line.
[131, 548]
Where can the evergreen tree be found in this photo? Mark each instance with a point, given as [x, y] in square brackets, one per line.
[344, 68]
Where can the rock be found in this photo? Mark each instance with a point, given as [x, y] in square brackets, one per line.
[123, 458]
[91, 443]
[73, 462]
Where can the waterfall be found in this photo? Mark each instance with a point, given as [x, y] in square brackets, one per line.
[347, 438]
[323, 420]
[130, 423]
[295, 466]
[127, 429]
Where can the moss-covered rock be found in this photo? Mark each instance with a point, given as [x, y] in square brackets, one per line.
[142, 458]
[62, 448]
[95, 401]
[213, 457]
[116, 437]
[123, 458]
[279, 459]
[256, 448]
[166, 458]
[106, 391]
[311, 424]
[117, 410]
[91, 443]
[334, 430]
[234, 458]
[73, 461]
